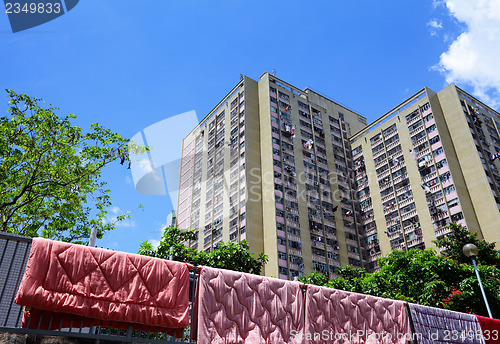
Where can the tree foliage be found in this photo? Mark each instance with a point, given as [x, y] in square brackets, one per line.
[230, 256]
[458, 238]
[423, 277]
[50, 172]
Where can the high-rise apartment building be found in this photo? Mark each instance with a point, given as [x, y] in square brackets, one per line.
[271, 164]
[306, 181]
[431, 160]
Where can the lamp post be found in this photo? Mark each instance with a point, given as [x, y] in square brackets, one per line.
[470, 250]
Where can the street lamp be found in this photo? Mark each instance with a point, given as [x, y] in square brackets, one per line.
[470, 250]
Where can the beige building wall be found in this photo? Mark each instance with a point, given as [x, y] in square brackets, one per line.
[482, 208]
[337, 192]
[451, 154]
[253, 169]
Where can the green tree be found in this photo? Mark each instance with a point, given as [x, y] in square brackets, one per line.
[453, 243]
[230, 256]
[50, 172]
[423, 277]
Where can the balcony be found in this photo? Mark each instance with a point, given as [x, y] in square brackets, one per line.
[405, 201]
[357, 155]
[378, 153]
[392, 145]
[387, 136]
[430, 176]
[419, 141]
[388, 197]
[413, 120]
[380, 163]
[383, 174]
[402, 190]
[377, 142]
[416, 130]
[409, 214]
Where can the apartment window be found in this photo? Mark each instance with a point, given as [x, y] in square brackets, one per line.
[281, 241]
[453, 203]
[354, 262]
[415, 125]
[431, 128]
[445, 176]
[334, 120]
[352, 249]
[380, 158]
[412, 116]
[282, 255]
[438, 151]
[434, 140]
[441, 163]
[302, 105]
[457, 217]
[428, 118]
[449, 189]
[284, 96]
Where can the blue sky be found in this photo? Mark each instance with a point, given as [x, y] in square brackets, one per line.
[128, 64]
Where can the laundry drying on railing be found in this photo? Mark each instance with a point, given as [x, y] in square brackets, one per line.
[104, 285]
[234, 307]
[90, 284]
[353, 317]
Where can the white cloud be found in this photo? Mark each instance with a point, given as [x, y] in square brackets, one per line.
[113, 214]
[435, 24]
[472, 58]
[155, 243]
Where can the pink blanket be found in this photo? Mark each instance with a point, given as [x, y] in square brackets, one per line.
[235, 307]
[107, 285]
[336, 316]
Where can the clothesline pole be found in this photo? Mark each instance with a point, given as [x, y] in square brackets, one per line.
[471, 250]
[481, 286]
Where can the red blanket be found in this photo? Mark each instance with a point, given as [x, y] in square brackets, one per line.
[105, 285]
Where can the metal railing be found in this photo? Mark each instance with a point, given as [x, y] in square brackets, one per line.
[14, 254]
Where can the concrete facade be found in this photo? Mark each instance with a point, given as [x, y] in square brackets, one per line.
[424, 164]
[307, 182]
[270, 164]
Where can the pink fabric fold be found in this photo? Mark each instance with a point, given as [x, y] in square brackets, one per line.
[106, 285]
[336, 316]
[234, 307]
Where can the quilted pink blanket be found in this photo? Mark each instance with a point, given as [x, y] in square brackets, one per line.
[107, 285]
[336, 316]
[235, 307]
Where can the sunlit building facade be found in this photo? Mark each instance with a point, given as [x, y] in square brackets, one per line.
[271, 164]
[431, 160]
[307, 181]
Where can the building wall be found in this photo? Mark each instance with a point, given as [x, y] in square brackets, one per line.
[309, 184]
[297, 180]
[443, 179]
[475, 141]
